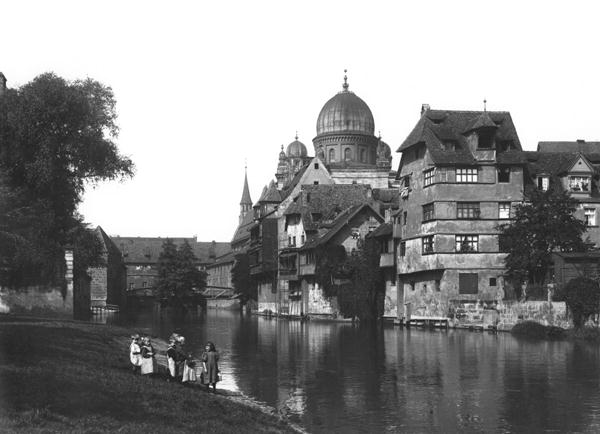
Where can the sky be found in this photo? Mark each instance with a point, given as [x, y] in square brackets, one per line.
[203, 88]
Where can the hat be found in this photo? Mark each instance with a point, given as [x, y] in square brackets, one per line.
[135, 336]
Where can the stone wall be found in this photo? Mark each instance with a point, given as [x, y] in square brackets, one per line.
[98, 286]
[505, 314]
[37, 300]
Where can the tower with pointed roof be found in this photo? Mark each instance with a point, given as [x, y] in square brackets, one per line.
[246, 201]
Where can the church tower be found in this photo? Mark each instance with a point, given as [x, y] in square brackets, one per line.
[246, 202]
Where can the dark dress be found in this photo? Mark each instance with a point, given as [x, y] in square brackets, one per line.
[210, 375]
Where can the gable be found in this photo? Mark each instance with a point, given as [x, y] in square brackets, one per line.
[581, 165]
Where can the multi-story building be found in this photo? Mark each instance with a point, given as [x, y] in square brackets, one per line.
[141, 254]
[460, 174]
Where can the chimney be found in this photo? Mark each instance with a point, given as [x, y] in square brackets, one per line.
[212, 253]
[2, 84]
[424, 108]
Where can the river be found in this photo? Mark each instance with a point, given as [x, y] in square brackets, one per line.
[334, 377]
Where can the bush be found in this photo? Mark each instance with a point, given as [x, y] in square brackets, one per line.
[535, 330]
[582, 296]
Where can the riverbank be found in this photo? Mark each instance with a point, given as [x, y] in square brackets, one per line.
[534, 330]
[58, 376]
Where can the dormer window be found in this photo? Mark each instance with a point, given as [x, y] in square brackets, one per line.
[579, 183]
[449, 145]
[543, 182]
[486, 139]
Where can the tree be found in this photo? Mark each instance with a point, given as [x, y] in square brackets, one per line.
[356, 279]
[178, 274]
[542, 225]
[242, 281]
[582, 296]
[56, 138]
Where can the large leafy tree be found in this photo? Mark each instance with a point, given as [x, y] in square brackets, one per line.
[242, 281]
[355, 279]
[545, 223]
[56, 138]
[582, 296]
[178, 274]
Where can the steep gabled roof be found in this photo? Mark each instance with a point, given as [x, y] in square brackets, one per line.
[550, 163]
[437, 127]
[383, 230]
[341, 221]
[565, 146]
[241, 231]
[146, 250]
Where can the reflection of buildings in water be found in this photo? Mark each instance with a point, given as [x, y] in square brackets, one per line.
[296, 402]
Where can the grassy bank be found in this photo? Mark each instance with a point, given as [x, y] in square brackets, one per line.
[75, 377]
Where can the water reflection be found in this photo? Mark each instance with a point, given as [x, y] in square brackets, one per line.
[340, 378]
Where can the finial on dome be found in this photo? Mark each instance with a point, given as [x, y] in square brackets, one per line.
[379, 134]
[484, 104]
[246, 165]
[282, 147]
[296, 135]
[345, 85]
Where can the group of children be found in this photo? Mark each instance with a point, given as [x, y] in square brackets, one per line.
[181, 364]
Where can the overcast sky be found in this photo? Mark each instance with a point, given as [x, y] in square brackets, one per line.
[202, 86]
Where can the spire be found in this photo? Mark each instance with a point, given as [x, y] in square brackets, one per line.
[345, 85]
[246, 200]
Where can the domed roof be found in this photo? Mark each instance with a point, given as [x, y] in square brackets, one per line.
[296, 149]
[345, 112]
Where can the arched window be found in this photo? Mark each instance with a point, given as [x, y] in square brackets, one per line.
[331, 155]
[363, 156]
[347, 154]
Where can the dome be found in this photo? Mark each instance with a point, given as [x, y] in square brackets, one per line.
[345, 112]
[296, 149]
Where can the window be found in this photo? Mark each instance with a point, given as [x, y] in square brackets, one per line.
[486, 139]
[428, 212]
[294, 241]
[590, 216]
[144, 284]
[363, 155]
[449, 145]
[404, 218]
[543, 183]
[467, 210]
[428, 176]
[130, 286]
[347, 154]
[412, 285]
[406, 182]
[468, 283]
[427, 244]
[316, 182]
[492, 281]
[504, 174]
[503, 210]
[467, 243]
[466, 175]
[437, 285]
[579, 183]
[331, 155]
[316, 165]
[302, 239]
[403, 248]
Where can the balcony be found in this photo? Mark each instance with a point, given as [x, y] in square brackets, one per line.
[387, 260]
[288, 273]
[307, 270]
